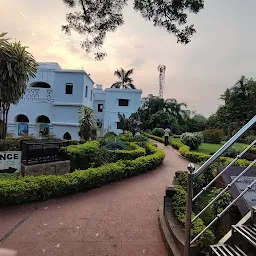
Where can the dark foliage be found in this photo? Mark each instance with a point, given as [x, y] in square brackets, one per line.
[94, 19]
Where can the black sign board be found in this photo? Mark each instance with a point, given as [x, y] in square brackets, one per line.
[248, 200]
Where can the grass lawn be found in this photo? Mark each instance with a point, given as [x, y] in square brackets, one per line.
[208, 148]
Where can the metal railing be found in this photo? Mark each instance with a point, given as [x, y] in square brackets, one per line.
[192, 174]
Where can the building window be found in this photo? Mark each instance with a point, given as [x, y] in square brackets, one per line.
[22, 119]
[100, 107]
[123, 102]
[69, 88]
[43, 119]
[40, 85]
[91, 96]
[67, 136]
[118, 125]
[99, 123]
[86, 91]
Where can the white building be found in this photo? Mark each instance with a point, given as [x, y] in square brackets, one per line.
[52, 100]
[111, 101]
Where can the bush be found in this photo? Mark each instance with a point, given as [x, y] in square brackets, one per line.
[44, 187]
[13, 144]
[140, 138]
[109, 156]
[197, 157]
[193, 140]
[115, 144]
[231, 152]
[213, 136]
[126, 136]
[82, 156]
[179, 208]
[158, 132]
[67, 143]
[109, 134]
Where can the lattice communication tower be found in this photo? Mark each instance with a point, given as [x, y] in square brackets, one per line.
[161, 69]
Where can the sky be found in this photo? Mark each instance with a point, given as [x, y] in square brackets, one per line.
[223, 48]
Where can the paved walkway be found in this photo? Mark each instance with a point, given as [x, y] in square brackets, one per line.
[119, 219]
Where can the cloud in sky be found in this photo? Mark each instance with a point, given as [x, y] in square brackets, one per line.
[222, 50]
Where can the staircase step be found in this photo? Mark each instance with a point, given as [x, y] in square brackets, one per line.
[248, 232]
[227, 250]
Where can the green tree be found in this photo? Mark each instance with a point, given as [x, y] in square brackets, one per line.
[125, 81]
[17, 65]
[239, 106]
[94, 19]
[162, 119]
[155, 104]
[124, 122]
[86, 122]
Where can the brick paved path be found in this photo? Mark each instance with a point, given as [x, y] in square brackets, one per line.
[118, 219]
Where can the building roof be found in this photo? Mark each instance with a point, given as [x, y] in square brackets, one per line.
[55, 66]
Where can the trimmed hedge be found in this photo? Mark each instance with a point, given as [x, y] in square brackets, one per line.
[82, 156]
[136, 151]
[90, 154]
[44, 187]
[212, 136]
[197, 157]
[179, 208]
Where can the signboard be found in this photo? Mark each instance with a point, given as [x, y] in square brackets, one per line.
[249, 198]
[10, 161]
[22, 129]
[250, 195]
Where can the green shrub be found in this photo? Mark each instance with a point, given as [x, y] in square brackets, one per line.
[193, 140]
[82, 156]
[179, 208]
[13, 144]
[231, 152]
[30, 188]
[126, 136]
[140, 138]
[160, 139]
[158, 132]
[116, 144]
[213, 136]
[67, 143]
[109, 155]
[197, 157]
[109, 134]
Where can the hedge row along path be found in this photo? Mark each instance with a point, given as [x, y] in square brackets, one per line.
[119, 219]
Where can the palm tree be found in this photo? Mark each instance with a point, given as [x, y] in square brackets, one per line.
[17, 65]
[86, 122]
[174, 108]
[125, 81]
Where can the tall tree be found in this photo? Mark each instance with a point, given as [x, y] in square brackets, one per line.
[126, 82]
[17, 65]
[239, 106]
[86, 122]
[94, 19]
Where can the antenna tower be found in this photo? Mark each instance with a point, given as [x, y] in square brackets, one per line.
[161, 69]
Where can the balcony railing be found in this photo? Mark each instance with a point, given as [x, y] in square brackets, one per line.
[195, 173]
[38, 94]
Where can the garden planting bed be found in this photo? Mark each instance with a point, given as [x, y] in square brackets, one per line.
[138, 160]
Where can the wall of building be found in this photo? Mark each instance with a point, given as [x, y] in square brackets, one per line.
[112, 106]
[59, 107]
[62, 109]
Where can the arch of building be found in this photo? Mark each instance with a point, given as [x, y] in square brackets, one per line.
[67, 136]
[40, 85]
[43, 119]
[21, 119]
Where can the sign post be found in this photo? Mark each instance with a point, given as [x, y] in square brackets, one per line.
[10, 161]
